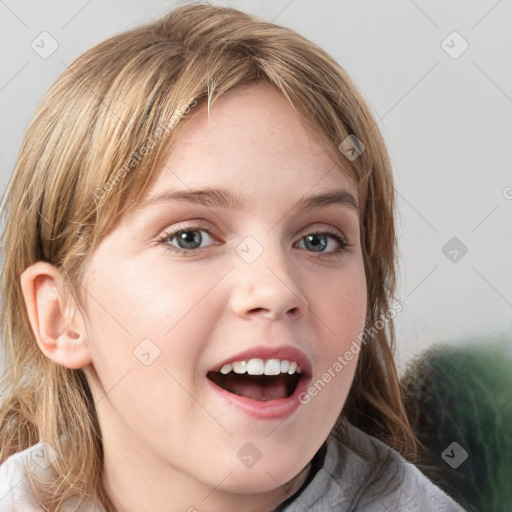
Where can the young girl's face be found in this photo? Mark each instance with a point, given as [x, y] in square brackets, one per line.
[257, 281]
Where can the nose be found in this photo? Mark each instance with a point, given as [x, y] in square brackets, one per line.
[267, 288]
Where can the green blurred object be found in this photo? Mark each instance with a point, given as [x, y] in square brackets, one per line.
[463, 394]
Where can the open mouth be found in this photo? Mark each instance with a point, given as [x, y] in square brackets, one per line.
[257, 387]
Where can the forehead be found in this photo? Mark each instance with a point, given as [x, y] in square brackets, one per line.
[250, 140]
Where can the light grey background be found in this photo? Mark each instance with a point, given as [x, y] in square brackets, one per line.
[447, 123]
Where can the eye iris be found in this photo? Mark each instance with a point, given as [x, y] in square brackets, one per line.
[184, 236]
[322, 244]
[191, 239]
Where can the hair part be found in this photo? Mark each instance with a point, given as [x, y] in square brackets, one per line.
[74, 180]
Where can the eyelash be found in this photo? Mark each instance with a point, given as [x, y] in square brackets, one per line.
[343, 245]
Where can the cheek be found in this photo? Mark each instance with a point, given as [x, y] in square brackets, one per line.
[147, 317]
[145, 334]
[339, 312]
[342, 300]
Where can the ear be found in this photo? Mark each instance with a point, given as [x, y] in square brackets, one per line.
[55, 318]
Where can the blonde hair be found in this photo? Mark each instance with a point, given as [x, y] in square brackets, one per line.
[77, 174]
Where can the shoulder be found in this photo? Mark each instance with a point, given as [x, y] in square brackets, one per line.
[372, 477]
[385, 480]
[16, 494]
[15, 490]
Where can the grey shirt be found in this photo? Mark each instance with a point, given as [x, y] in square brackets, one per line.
[381, 481]
[339, 480]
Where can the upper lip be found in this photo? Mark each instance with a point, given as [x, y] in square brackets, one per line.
[264, 352]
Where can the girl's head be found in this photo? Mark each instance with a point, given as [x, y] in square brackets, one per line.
[120, 303]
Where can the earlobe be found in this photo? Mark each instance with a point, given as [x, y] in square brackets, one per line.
[58, 328]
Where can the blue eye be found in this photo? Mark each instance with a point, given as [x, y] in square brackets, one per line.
[186, 241]
[320, 240]
[189, 239]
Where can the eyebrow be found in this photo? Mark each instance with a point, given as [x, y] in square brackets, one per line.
[216, 197]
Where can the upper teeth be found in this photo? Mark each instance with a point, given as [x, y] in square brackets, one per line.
[261, 367]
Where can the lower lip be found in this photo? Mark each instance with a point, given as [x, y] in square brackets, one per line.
[270, 409]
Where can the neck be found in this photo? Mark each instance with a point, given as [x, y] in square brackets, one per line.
[147, 495]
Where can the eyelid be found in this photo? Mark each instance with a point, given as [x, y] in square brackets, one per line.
[338, 235]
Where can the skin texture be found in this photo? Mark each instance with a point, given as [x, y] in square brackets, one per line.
[170, 441]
